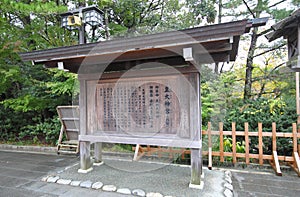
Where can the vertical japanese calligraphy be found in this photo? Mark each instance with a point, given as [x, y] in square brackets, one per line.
[131, 106]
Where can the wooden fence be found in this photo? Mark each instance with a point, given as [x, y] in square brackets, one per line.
[274, 159]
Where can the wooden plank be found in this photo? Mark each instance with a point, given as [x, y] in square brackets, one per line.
[180, 143]
[276, 165]
[233, 143]
[260, 144]
[209, 146]
[296, 163]
[247, 143]
[136, 152]
[221, 142]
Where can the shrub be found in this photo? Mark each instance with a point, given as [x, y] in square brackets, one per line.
[42, 132]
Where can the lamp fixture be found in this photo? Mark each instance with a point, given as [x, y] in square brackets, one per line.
[78, 18]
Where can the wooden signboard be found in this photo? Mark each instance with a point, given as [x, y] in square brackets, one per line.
[148, 110]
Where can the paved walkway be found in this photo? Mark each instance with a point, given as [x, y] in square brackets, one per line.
[21, 173]
[264, 183]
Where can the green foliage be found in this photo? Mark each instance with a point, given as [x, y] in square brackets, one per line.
[202, 10]
[42, 132]
[265, 111]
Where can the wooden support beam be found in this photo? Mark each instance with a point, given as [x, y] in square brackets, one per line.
[85, 153]
[209, 147]
[98, 153]
[275, 164]
[136, 152]
[296, 163]
[196, 166]
[85, 158]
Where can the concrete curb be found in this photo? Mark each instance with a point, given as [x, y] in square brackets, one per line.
[37, 149]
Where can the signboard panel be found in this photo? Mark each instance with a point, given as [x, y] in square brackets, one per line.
[147, 107]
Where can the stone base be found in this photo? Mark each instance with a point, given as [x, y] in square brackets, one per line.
[85, 171]
[193, 186]
[98, 164]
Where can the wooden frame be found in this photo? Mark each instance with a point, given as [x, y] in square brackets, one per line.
[69, 118]
[186, 136]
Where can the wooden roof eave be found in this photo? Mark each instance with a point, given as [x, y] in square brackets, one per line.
[284, 27]
[218, 43]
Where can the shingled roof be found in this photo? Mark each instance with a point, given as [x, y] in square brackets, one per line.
[286, 27]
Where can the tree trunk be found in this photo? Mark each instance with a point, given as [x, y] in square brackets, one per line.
[249, 65]
[106, 22]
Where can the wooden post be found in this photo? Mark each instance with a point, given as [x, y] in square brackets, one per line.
[209, 146]
[294, 137]
[260, 144]
[170, 152]
[298, 97]
[182, 153]
[233, 143]
[275, 162]
[159, 152]
[85, 152]
[221, 142]
[274, 147]
[195, 129]
[98, 153]
[247, 143]
[196, 166]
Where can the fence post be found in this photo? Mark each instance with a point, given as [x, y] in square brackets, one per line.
[233, 143]
[260, 144]
[221, 142]
[247, 142]
[275, 162]
[209, 146]
[296, 163]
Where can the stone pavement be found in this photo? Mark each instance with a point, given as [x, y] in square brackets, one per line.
[21, 174]
[264, 183]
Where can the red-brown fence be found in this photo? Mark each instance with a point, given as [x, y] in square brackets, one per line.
[273, 158]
